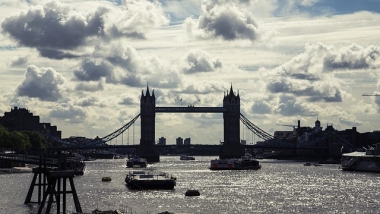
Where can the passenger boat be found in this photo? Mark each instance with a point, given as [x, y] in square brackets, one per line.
[136, 162]
[75, 163]
[243, 163]
[367, 161]
[185, 157]
[149, 180]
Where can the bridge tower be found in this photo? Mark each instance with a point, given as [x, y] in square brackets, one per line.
[232, 147]
[147, 148]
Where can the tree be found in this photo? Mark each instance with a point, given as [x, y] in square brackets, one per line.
[36, 139]
[4, 137]
[19, 141]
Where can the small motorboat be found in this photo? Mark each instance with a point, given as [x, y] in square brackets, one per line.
[193, 192]
[106, 179]
[307, 164]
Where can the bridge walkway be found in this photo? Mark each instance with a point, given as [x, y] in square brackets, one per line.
[17, 158]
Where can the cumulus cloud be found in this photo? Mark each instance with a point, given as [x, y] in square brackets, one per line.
[203, 87]
[353, 57]
[311, 72]
[223, 19]
[289, 106]
[200, 61]
[53, 27]
[349, 119]
[42, 83]
[135, 18]
[123, 55]
[57, 31]
[68, 112]
[261, 107]
[119, 63]
[128, 100]
[87, 101]
[94, 70]
[90, 86]
[19, 61]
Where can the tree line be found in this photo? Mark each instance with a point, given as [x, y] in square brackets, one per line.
[21, 140]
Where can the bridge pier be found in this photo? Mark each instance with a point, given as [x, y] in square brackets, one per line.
[231, 150]
[149, 151]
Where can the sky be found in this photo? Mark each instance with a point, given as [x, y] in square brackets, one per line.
[82, 64]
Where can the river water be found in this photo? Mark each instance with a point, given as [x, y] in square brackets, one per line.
[278, 187]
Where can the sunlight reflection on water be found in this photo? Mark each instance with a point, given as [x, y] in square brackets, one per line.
[279, 187]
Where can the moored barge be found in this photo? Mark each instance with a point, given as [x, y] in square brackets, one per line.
[149, 180]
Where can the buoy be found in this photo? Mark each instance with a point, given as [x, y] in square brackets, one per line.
[106, 179]
[192, 193]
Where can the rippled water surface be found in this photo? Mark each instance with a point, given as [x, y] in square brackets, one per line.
[278, 187]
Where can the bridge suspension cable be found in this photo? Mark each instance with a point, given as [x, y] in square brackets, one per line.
[113, 134]
[257, 131]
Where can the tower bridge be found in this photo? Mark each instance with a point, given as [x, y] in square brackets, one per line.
[230, 148]
[231, 116]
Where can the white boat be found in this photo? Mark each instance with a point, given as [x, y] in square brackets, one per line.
[367, 161]
[149, 180]
[243, 163]
[185, 157]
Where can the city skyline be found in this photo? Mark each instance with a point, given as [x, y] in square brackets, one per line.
[81, 65]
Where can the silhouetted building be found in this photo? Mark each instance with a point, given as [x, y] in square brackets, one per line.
[162, 141]
[21, 119]
[186, 141]
[179, 141]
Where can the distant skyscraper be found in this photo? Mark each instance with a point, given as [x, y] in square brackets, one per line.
[179, 141]
[187, 141]
[162, 141]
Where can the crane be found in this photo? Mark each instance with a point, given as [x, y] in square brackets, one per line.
[370, 94]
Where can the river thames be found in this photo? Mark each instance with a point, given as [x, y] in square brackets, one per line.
[278, 187]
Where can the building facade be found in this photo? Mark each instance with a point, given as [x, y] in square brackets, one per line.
[21, 119]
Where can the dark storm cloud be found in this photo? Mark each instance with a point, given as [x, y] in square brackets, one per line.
[91, 70]
[200, 61]
[289, 106]
[19, 61]
[261, 107]
[41, 83]
[53, 26]
[223, 19]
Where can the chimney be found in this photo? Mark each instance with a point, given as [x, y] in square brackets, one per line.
[299, 123]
